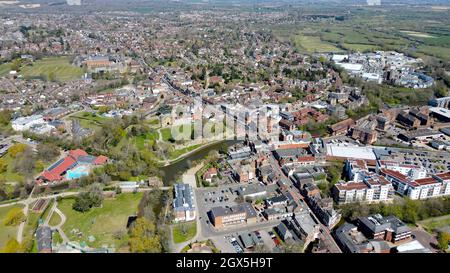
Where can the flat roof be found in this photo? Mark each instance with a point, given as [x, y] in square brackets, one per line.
[441, 111]
[356, 152]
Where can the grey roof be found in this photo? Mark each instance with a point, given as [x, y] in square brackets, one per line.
[44, 238]
[294, 152]
[183, 197]
[244, 207]
[247, 240]
[377, 223]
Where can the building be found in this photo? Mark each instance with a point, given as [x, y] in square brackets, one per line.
[235, 215]
[183, 203]
[209, 174]
[341, 128]
[283, 232]
[364, 135]
[252, 192]
[372, 188]
[350, 240]
[435, 186]
[388, 228]
[44, 239]
[409, 170]
[305, 227]
[74, 166]
[323, 209]
[25, 123]
[441, 102]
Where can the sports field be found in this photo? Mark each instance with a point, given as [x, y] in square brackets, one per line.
[54, 68]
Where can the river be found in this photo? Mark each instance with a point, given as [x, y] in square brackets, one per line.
[171, 172]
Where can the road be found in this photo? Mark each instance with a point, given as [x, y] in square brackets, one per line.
[324, 231]
[25, 212]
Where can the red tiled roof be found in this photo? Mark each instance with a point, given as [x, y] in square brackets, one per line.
[100, 160]
[425, 181]
[77, 153]
[351, 186]
[306, 158]
[395, 174]
[444, 176]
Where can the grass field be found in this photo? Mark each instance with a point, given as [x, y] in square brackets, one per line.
[433, 224]
[54, 220]
[60, 67]
[89, 120]
[4, 69]
[7, 232]
[176, 153]
[436, 51]
[10, 175]
[184, 232]
[141, 141]
[107, 223]
[314, 44]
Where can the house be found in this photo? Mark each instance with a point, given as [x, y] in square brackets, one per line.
[183, 203]
[283, 232]
[209, 174]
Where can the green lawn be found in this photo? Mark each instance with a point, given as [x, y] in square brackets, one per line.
[10, 175]
[360, 47]
[436, 51]
[7, 232]
[314, 44]
[60, 67]
[107, 223]
[433, 224]
[55, 219]
[176, 153]
[5, 68]
[149, 139]
[184, 231]
[89, 120]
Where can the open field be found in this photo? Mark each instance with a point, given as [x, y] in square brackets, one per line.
[89, 120]
[57, 67]
[176, 153]
[4, 69]
[107, 223]
[184, 231]
[433, 224]
[10, 175]
[7, 232]
[314, 44]
[417, 34]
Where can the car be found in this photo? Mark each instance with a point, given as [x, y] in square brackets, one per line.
[258, 235]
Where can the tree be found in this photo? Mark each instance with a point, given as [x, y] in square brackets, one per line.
[443, 240]
[12, 246]
[3, 165]
[14, 217]
[143, 237]
[5, 117]
[47, 151]
[17, 149]
[93, 197]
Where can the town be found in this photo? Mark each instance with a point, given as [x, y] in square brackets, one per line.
[218, 131]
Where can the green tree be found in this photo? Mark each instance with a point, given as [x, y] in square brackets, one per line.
[3, 165]
[443, 240]
[16, 149]
[143, 237]
[14, 217]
